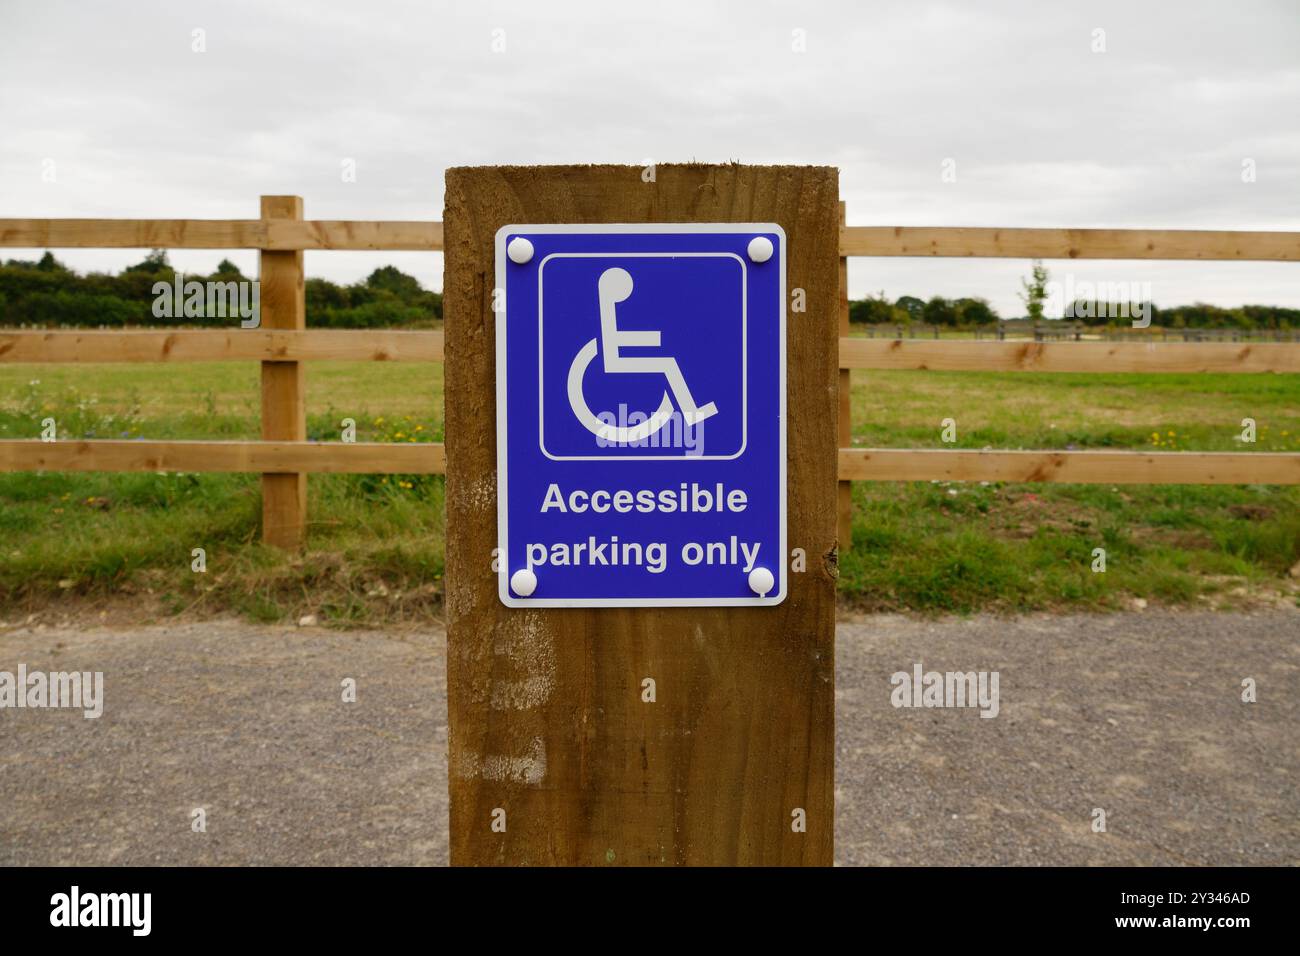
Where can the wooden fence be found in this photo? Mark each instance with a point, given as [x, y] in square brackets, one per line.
[283, 343]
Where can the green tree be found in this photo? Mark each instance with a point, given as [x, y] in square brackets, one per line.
[394, 280]
[1035, 290]
[911, 306]
[975, 312]
[155, 263]
[876, 310]
[939, 311]
[50, 264]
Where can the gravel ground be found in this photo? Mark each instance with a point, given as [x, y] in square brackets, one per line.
[1138, 714]
[245, 722]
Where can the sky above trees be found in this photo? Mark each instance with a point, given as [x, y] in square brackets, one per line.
[1000, 114]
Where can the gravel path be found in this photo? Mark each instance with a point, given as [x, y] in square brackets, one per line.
[1137, 714]
[245, 722]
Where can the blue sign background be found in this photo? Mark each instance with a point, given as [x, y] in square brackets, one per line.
[721, 317]
[696, 306]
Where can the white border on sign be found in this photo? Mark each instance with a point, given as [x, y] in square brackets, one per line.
[666, 228]
[744, 355]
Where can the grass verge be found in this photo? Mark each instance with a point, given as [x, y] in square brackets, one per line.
[375, 551]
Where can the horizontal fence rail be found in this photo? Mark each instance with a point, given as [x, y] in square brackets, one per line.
[951, 356]
[949, 241]
[383, 345]
[266, 234]
[282, 231]
[267, 457]
[855, 464]
[960, 241]
[187, 345]
[1079, 467]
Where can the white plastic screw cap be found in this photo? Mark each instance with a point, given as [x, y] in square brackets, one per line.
[523, 582]
[761, 581]
[520, 250]
[760, 249]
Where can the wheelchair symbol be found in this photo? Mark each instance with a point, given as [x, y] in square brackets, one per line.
[614, 286]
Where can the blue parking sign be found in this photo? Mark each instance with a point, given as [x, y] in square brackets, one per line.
[641, 415]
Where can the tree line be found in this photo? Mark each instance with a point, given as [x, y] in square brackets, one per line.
[46, 294]
[966, 313]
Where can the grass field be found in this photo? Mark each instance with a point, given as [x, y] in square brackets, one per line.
[376, 543]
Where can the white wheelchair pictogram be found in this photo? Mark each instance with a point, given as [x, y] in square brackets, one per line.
[614, 286]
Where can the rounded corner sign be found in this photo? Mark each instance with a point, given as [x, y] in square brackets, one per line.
[641, 415]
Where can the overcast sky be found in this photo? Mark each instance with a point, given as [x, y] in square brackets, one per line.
[1043, 131]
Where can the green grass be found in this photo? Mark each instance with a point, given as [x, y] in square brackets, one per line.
[376, 542]
[966, 546]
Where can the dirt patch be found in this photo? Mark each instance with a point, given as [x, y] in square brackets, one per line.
[1025, 514]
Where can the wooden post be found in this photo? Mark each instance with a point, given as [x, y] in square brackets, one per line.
[284, 407]
[549, 735]
[844, 501]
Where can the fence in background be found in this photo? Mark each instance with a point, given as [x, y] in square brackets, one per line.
[1063, 330]
[283, 457]
[1088, 467]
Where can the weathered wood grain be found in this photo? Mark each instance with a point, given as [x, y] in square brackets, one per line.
[962, 241]
[546, 717]
[218, 234]
[203, 345]
[284, 390]
[844, 493]
[1079, 467]
[952, 356]
[365, 458]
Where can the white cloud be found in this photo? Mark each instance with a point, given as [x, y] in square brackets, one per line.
[1150, 133]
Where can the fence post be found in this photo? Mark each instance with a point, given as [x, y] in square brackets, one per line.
[284, 406]
[556, 755]
[844, 522]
